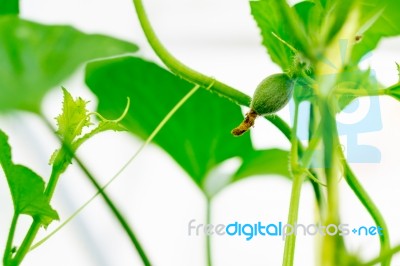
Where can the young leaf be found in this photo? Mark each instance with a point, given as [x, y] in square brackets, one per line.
[9, 7]
[73, 119]
[35, 58]
[27, 188]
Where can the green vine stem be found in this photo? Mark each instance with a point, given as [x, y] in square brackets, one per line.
[57, 170]
[27, 242]
[331, 245]
[290, 241]
[314, 134]
[7, 252]
[114, 209]
[299, 174]
[373, 210]
[298, 177]
[385, 256]
[356, 187]
[379, 92]
[182, 70]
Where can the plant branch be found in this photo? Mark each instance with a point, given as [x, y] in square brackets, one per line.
[114, 209]
[379, 92]
[182, 70]
[372, 209]
[57, 169]
[7, 253]
[333, 246]
[387, 255]
[27, 242]
[298, 177]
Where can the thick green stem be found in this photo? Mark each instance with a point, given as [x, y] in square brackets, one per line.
[373, 210]
[8, 251]
[298, 178]
[360, 92]
[27, 242]
[333, 248]
[58, 169]
[314, 136]
[182, 70]
[290, 242]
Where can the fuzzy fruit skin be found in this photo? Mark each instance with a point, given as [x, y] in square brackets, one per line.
[272, 94]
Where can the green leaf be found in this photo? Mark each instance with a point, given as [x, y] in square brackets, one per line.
[336, 17]
[198, 135]
[264, 162]
[309, 13]
[73, 119]
[35, 58]
[394, 91]
[326, 3]
[386, 25]
[8, 7]
[27, 188]
[271, 21]
[258, 162]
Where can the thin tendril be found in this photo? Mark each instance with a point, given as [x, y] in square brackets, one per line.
[119, 119]
[148, 140]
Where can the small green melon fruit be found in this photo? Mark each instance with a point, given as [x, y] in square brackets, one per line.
[271, 95]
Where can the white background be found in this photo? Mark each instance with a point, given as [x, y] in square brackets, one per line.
[218, 38]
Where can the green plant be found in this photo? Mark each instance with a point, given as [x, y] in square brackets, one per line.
[319, 44]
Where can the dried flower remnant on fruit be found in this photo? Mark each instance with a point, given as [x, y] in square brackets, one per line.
[271, 95]
[247, 123]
